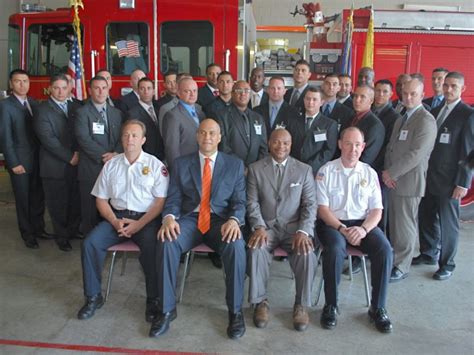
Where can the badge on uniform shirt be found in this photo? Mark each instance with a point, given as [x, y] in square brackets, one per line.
[258, 129]
[145, 170]
[403, 135]
[164, 171]
[98, 128]
[320, 176]
[445, 138]
[364, 183]
[320, 136]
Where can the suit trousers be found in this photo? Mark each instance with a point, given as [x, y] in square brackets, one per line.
[375, 245]
[29, 200]
[384, 222]
[403, 217]
[168, 255]
[89, 215]
[63, 203]
[439, 225]
[103, 236]
[258, 268]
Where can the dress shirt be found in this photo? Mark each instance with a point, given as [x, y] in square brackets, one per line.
[343, 99]
[256, 97]
[191, 109]
[147, 107]
[214, 91]
[24, 102]
[331, 106]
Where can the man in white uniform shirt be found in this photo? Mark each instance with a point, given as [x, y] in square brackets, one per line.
[349, 208]
[136, 183]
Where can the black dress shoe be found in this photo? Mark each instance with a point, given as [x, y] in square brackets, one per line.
[442, 274]
[236, 326]
[161, 324]
[92, 303]
[380, 318]
[423, 259]
[215, 260]
[397, 275]
[329, 316]
[31, 243]
[356, 266]
[152, 309]
[45, 235]
[63, 244]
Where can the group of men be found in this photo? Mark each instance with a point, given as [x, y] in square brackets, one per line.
[248, 167]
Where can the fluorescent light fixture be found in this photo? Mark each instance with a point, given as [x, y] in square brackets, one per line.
[417, 7]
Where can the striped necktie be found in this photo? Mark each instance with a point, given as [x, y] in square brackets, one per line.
[204, 218]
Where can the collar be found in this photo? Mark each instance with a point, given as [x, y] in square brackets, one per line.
[145, 105]
[331, 104]
[141, 159]
[312, 117]
[211, 88]
[411, 111]
[100, 107]
[213, 157]
[22, 100]
[187, 106]
[259, 93]
[452, 104]
[59, 103]
[340, 168]
[275, 104]
[274, 162]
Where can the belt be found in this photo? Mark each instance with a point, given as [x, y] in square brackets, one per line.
[129, 212]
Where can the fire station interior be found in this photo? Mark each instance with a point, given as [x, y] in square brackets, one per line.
[41, 290]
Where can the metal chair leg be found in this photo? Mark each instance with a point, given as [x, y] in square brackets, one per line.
[124, 263]
[111, 271]
[350, 267]
[366, 281]
[321, 280]
[185, 273]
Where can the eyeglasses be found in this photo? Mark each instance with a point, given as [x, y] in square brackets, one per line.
[242, 91]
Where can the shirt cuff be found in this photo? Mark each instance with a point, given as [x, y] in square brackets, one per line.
[302, 231]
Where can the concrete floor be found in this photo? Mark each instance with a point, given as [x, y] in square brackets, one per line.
[41, 292]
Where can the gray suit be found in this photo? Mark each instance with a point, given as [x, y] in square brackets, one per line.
[406, 162]
[282, 212]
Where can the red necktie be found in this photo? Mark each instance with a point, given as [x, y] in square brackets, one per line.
[216, 93]
[204, 219]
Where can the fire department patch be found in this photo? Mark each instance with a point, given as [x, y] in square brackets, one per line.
[164, 171]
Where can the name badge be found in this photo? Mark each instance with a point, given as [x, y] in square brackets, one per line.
[445, 138]
[98, 128]
[258, 129]
[338, 127]
[403, 135]
[320, 136]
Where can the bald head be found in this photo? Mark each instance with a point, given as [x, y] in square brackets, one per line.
[187, 90]
[208, 136]
[280, 144]
[135, 77]
[412, 93]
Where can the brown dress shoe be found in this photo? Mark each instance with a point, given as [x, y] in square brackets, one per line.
[300, 318]
[260, 314]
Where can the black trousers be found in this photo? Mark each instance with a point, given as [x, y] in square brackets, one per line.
[89, 215]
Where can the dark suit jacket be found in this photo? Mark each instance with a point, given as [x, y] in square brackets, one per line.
[179, 133]
[161, 101]
[388, 116]
[205, 96]
[286, 116]
[127, 102]
[55, 130]
[215, 108]
[306, 149]
[263, 101]
[299, 106]
[18, 141]
[154, 141]
[93, 146]
[429, 101]
[349, 103]
[234, 139]
[444, 170]
[227, 191]
[342, 115]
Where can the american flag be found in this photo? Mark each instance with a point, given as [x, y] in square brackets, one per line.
[74, 69]
[128, 49]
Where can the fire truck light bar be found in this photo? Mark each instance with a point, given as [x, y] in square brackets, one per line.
[127, 4]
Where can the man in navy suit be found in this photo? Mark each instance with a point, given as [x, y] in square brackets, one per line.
[205, 204]
[332, 108]
[129, 101]
[437, 80]
[208, 92]
[301, 75]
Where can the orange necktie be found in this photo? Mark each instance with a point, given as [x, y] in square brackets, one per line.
[204, 219]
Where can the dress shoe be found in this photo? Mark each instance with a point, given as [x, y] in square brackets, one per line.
[423, 259]
[442, 274]
[63, 244]
[329, 316]
[397, 275]
[31, 243]
[152, 309]
[45, 235]
[92, 303]
[356, 266]
[236, 326]
[300, 318]
[261, 315]
[215, 260]
[161, 323]
[380, 318]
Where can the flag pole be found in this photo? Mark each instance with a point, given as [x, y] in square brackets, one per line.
[76, 23]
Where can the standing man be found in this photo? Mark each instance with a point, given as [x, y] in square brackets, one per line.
[130, 191]
[315, 140]
[225, 82]
[171, 88]
[70, 87]
[344, 94]
[171, 103]
[258, 95]
[243, 130]
[106, 75]
[331, 107]
[97, 130]
[349, 208]
[59, 157]
[145, 112]
[209, 91]
[398, 103]
[205, 204]
[20, 148]
[366, 76]
[281, 205]
[437, 80]
[447, 179]
[406, 162]
[180, 124]
[301, 75]
[127, 102]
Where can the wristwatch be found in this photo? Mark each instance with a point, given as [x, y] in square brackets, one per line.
[342, 225]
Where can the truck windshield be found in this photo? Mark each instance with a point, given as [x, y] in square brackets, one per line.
[13, 47]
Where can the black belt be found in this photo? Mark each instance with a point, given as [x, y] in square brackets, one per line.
[129, 212]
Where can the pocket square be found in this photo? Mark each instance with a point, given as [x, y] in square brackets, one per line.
[294, 184]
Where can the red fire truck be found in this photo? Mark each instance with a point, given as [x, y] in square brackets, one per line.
[182, 35]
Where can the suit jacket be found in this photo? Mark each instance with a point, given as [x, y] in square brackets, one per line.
[55, 131]
[305, 147]
[286, 116]
[227, 189]
[342, 115]
[205, 96]
[127, 102]
[92, 146]
[164, 110]
[299, 105]
[444, 170]
[263, 100]
[349, 103]
[429, 101]
[18, 141]
[154, 141]
[290, 207]
[388, 116]
[161, 101]
[234, 138]
[407, 160]
[179, 133]
[216, 108]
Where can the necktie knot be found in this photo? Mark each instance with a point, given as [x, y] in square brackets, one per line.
[327, 110]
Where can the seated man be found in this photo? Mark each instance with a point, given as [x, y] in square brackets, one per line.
[136, 183]
[206, 204]
[349, 208]
[281, 205]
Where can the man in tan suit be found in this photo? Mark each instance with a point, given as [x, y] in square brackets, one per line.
[406, 162]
